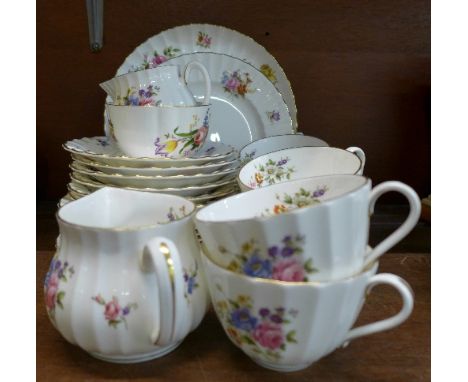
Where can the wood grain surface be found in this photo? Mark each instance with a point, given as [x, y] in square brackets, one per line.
[360, 72]
[401, 354]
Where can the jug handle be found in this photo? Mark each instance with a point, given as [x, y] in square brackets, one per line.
[361, 155]
[206, 77]
[407, 296]
[405, 228]
[161, 256]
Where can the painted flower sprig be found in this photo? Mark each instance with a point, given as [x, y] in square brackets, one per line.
[58, 272]
[114, 313]
[236, 83]
[262, 331]
[300, 199]
[282, 262]
[271, 172]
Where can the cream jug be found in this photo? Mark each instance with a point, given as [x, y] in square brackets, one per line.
[126, 283]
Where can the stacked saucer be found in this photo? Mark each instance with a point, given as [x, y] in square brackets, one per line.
[98, 162]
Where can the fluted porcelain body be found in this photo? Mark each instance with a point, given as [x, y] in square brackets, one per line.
[103, 295]
[313, 229]
[287, 326]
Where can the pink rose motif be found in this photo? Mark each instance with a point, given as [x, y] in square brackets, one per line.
[288, 270]
[200, 135]
[269, 335]
[51, 292]
[146, 101]
[112, 310]
[232, 84]
[158, 60]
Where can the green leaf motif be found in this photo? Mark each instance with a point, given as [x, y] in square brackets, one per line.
[248, 340]
[291, 336]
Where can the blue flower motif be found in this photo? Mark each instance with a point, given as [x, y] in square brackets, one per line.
[242, 319]
[258, 267]
[190, 285]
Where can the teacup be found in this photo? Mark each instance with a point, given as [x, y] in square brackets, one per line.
[288, 326]
[277, 142]
[298, 163]
[126, 283]
[313, 229]
[166, 131]
[157, 86]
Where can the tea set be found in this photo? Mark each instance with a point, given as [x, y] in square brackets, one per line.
[202, 193]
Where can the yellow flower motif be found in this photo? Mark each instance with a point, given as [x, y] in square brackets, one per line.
[279, 209]
[246, 247]
[233, 266]
[171, 146]
[244, 300]
[258, 178]
[268, 72]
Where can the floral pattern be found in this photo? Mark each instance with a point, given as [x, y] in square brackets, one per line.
[271, 172]
[300, 199]
[248, 157]
[281, 262]
[273, 116]
[113, 312]
[268, 72]
[203, 40]
[157, 58]
[237, 83]
[140, 97]
[188, 142]
[191, 282]
[174, 215]
[262, 331]
[58, 273]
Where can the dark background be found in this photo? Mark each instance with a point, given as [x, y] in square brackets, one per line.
[360, 72]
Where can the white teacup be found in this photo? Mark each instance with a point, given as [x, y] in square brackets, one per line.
[166, 131]
[313, 229]
[277, 142]
[126, 283]
[157, 86]
[298, 163]
[288, 326]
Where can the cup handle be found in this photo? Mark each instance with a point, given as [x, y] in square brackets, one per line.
[161, 256]
[361, 155]
[407, 297]
[206, 76]
[405, 228]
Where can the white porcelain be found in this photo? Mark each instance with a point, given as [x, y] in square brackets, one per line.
[104, 150]
[288, 326]
[188, 192]
[156, 182]
[311, 229]
[298, 163]
[126, 283]
[158, 86]
[168, 132]
[155, 171]
[210, 38]
[245, 105]
[277, 142]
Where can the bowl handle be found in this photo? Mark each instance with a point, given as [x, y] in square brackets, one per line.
[407, 297]
[361, 155]
[405, 228]
[206, 77]
[160, 255]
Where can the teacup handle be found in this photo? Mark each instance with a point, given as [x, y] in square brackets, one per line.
[361, 155]
[161, 256]
[406, 294]
[405, 228]
[206, 76]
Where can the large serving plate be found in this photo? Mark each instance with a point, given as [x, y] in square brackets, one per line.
[156, 182]
[104, 150]
[210, 38]
[155, 171]
[245, 106]
[191, 191]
